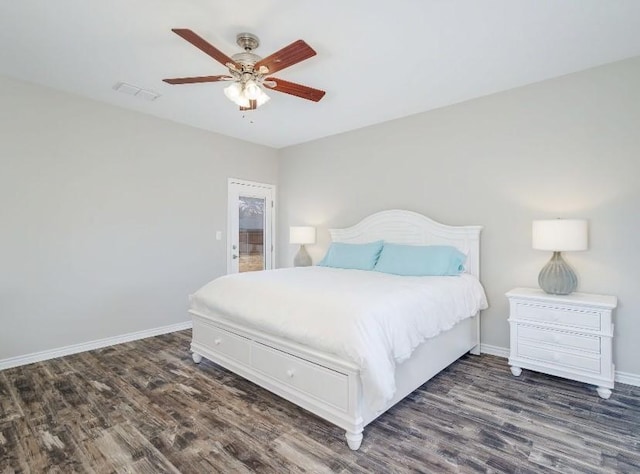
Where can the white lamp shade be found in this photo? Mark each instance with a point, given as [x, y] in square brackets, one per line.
[302, 235]
[559, 235]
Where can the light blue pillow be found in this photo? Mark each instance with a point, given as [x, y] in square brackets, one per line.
[420, 260]
[354, 256]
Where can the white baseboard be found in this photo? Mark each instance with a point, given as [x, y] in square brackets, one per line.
[494, 350]
[629, 379]
[91, 345]
[620, 377]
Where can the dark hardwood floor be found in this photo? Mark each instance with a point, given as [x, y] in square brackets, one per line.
[146, 407]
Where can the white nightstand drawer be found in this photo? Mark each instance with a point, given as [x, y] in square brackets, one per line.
[559, 315]
[564, 339]
[543, 354]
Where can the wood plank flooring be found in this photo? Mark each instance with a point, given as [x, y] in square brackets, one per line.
[146, 407]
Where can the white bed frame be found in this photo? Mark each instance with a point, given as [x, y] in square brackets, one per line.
[323, 383]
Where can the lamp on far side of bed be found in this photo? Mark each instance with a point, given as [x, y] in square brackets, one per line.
[302, 235]
[558, 235]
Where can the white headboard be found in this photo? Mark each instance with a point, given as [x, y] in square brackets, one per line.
[407, 227]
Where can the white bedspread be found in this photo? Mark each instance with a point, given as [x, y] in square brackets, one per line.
[373, 319]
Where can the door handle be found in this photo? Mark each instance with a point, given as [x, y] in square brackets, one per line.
[234, 256]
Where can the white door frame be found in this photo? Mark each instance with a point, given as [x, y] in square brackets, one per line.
[263, 189]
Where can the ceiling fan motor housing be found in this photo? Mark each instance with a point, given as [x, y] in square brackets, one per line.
[246, 59]
[247, 41]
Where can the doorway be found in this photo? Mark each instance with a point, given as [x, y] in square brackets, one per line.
[250, 226]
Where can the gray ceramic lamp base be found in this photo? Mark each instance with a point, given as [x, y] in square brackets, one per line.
[557, 277]
[302, 258]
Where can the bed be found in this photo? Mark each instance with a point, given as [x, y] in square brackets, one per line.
[336, 385]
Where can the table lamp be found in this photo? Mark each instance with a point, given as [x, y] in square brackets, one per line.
[302, 235]
[559, 235]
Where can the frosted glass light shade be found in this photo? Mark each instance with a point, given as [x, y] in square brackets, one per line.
[262, 99]
[302, 235]
[242, 95]
[233, 91]
[560, 235]
[251, 90]
[242, 101]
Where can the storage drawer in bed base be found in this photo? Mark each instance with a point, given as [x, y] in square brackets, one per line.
[323, 386]
[321, 383]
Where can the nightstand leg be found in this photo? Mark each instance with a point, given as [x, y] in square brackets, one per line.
[604, 392]
[516, 370]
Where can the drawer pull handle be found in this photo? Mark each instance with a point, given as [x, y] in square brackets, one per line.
[290, 373]
[217, 341]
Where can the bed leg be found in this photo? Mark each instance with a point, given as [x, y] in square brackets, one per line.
[197, 358]
[354, 440]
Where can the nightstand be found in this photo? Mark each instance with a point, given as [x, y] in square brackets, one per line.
[568, 336]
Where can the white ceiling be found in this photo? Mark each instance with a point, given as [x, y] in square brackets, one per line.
[376, 60]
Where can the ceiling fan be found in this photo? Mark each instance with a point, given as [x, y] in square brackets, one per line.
[249, 73]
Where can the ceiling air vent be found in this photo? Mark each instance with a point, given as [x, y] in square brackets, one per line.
[135, 91]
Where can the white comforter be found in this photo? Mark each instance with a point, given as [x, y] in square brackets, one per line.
[373, 319]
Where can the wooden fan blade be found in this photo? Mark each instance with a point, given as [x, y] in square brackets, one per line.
[193, 80]
[204, 46]
[288, 56]
[298, 90]
[253, 105]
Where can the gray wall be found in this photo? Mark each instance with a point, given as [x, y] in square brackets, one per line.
[567, 147]
[107, 217]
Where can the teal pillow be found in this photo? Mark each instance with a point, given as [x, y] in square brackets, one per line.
[420, 260]
[354, 256]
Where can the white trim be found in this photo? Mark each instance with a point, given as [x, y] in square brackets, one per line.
[254, 184]
[494, 350]
[629, 379]
[91, 345]
[262, 190]
[620, 377]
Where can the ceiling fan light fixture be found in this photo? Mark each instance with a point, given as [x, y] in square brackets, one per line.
[262, 98]
[233, 91]
[252, 90]
[242, 101]
[243, 93]
[247, 70]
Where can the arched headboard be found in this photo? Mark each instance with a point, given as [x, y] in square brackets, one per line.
[408, 227]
